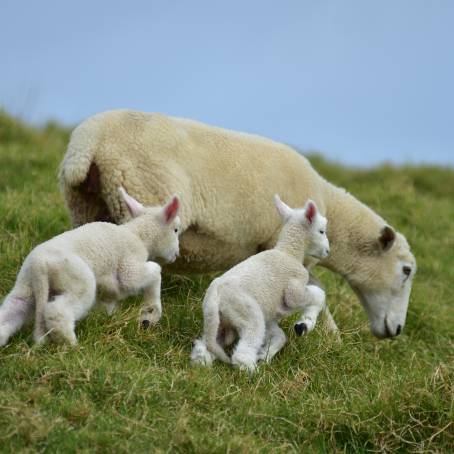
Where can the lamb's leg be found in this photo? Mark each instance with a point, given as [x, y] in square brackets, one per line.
[275, 340]
[251, 331]
[60, 319]
[146, 276]
[313, 302]
[75, 284]
[110, 306]
[108, 292]
[39, 330]
[200, 354]
[329, 320]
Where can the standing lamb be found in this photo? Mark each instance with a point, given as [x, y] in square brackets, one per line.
[253, 296]
[227, 178]
[60, 277]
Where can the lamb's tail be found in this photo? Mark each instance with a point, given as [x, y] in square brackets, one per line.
[80, 175]
[16, 309]
[211, 321]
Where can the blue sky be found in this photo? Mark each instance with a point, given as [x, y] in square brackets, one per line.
[362, 82]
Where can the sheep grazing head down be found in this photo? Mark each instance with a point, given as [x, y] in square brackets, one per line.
[383, 281]
[307, 222]
[161, 223]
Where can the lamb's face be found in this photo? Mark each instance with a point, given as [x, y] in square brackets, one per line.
[317, 245]
[307, 223]
[383, 284]
[163, 224]
[167, 244]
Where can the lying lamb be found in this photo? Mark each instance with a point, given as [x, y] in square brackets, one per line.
[61, 276]
[253, 296]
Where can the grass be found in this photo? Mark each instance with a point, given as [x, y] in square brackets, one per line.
[127, 390]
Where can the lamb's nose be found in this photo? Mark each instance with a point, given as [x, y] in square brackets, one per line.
[406, 270]
[398, 329]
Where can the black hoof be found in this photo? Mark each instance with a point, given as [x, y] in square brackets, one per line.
[300, 329]
[145, 324]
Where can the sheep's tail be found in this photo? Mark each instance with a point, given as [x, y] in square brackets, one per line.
[80, 152]
[80, 176]
[211, 321]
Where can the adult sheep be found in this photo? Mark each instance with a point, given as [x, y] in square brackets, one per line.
[227, 180]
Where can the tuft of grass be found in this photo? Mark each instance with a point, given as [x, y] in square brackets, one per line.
[128, 390]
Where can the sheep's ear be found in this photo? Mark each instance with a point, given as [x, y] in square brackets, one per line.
[387, 237]
[135, 208]
[310, 211]
[284, 210]
[170, 210]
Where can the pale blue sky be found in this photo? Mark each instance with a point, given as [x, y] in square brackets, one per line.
[360, 81]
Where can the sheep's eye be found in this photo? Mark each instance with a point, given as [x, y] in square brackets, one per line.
[176, 230]
[322, 231]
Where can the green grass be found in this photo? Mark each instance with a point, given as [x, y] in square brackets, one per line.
[127, 390]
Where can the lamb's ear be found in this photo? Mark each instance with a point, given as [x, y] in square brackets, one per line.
[310, 211]
[387, 237]
[284, 210]
[170, 210]
[135, 208]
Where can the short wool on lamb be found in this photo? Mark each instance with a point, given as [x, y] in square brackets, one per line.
[251, 298]
[60, 277]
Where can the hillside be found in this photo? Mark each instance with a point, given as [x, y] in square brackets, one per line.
[129, 390]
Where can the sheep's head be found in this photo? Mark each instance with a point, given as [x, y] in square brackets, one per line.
[381, 275]
[161, 224]
[310, 223]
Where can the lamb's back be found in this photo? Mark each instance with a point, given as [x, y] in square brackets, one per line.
[101, 245]
[264, 277]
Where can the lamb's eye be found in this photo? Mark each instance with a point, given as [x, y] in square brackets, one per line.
[322, 231]
[176, 230]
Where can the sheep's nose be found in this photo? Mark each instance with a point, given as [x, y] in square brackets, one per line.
[398, 329]
[406, 270]
[327, 251]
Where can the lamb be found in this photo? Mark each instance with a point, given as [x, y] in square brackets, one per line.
[253, 296]
[217, 170]
[61, 276]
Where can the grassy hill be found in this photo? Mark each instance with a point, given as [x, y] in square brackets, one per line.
[127, 390]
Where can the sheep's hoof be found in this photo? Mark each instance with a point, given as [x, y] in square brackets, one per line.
[300, 329]
[145, 324]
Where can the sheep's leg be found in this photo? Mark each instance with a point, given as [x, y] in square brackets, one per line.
[146, 276]
[251, 330]
[329, 320]
[274, 342]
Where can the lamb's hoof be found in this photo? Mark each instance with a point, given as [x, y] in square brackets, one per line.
[300, 329]
[146, 324]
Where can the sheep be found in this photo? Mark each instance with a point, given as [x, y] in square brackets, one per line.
[61, 276]
[227, 178]
[254, 295]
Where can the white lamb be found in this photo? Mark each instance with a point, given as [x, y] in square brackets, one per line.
[251, 298]
[62, 276]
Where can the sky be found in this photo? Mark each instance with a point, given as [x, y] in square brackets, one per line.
[361, 82]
